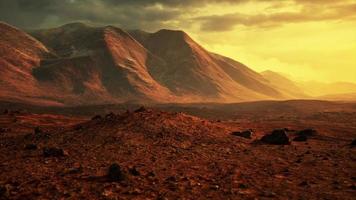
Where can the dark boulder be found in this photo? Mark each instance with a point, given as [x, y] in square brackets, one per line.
[353, 143]
[245, 134]
[37, 130]
[141, 109]
[53, 152]
[307, 132]
[115, 173]
[96, 117]
[110, 116]
[300, 138]
[303, 135]
[277, 137]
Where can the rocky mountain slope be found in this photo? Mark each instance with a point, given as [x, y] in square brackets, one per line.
[77, 64]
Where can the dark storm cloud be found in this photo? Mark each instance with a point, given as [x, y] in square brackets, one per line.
[331, 10]
[42, 13]
[148, 14]
[154, 14]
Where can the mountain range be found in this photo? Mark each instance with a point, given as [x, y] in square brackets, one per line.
[78, 64]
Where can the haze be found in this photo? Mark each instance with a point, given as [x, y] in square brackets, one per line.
[305, 40]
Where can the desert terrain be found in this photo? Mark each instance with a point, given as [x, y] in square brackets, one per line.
[99, 112]
[176, 151]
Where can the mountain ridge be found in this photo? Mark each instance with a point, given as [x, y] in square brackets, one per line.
[78, 64]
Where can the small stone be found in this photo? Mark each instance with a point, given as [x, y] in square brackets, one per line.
[53, 152]
[245, 134]
[37, 130]
[110, 116]
[134, 171]
[96, 117]
[307, 132]
[353, 143]
[115, 173]
[242, 186]
[4, 130]
[78, 127]
[303, 184]
[30, 146]
[300, 138]
[269, 194]
[3, 191]
[141, 109]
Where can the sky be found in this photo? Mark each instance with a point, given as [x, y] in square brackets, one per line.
[302, 39]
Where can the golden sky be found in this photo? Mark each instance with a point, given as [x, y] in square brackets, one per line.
[305, 39]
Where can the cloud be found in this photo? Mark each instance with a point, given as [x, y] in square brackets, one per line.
[155, 14]
[128, 14]
[308, 13]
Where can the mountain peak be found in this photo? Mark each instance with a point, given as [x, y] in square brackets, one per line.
[173, 34]
[75, 25]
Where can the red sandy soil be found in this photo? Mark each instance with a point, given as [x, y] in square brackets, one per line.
[176, 156]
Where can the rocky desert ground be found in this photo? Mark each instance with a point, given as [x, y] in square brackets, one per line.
[296, 150]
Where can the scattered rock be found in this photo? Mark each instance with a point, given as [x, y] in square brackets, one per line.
[115, 173]
[141, 109]
[4, 130]
[277, 137]
[134, 171]
[96, 117]
[30, 147]
[242, 186]
[300, 138]
[307, 132]
[78, 127]
[110, 116]
[151, 174]
[37, 130]
[353, 143]
[303, 184]
[245, 134]
[269, 194]
[353, 187]
[4, 192]
[53, 152]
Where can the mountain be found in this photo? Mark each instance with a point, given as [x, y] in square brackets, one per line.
[77, 64]
[288, 87]
[20, 53]
[337, 91]
[339, 97]
[315, 88]
[188, 68]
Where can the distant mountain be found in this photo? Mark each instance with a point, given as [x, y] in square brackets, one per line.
[311, 89]
[77, 64]
[339, 97]
[315, 88]
[288, 87]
